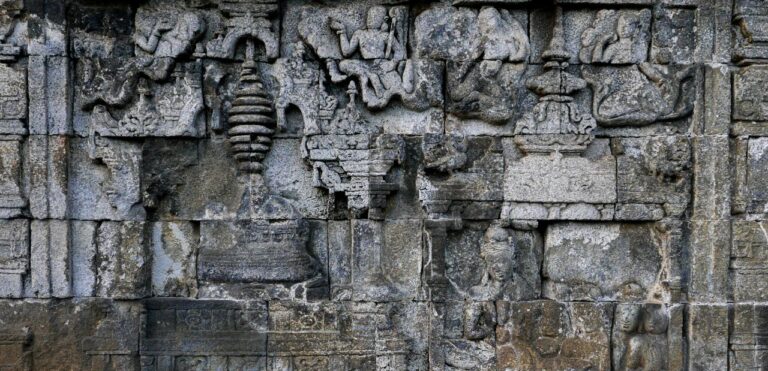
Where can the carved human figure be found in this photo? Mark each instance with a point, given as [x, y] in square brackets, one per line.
[629, 318]
[485, 86]
[503, 37]
[376, 41]
[647, 351]
[641, 94]
[627, 323]
[172, 40]
[622, 48]
[383, 73]
[498, 253]
[616, 37]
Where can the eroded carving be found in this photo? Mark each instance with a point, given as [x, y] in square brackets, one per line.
[383, 185]
[13, 100]
[484, 87]
[374, 56]
[498, 253]
[14, 257]
[640, 339]
[617, 37]
[553, 137]
[10, 12]
[122, 184]
[641, 94]
[750, 17]
[302, 84]
[556, 123]
[551, 335]
[157, 36]
[353, 157]
[167, 110]
[245, 20]
[12, 199]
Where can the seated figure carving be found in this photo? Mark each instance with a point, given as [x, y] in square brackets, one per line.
[383, 73]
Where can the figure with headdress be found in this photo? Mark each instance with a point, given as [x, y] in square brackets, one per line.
[384, 72]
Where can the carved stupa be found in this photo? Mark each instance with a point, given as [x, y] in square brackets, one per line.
[557, 123]
[272, 239]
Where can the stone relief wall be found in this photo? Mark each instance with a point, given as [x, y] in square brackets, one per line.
[383, 185]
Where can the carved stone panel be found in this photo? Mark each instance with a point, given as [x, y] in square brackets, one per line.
[178, 331]
[757, 157]
[629, 254]
[750, 98]
[14, 256]
[550, 335]
[747, 343]
[383, 185]
[13, 100]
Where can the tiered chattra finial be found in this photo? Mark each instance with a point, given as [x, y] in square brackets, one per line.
[251, 119]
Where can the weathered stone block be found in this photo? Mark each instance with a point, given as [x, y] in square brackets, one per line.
[70, 335]
[708, 336]
[654, 171]
[176, 180]
[375, 260]
[601, 262]
[491, 263]
[46, 162]
[383, 185]
[746, 346]
[14, 257]
[104, 180]
[12, 199]
[198, 330]
[50, 263]
[174, 252]
[111, 259]
[757, 175]
[551, 335]
[749, 263]
[561, 180]
[280, 259]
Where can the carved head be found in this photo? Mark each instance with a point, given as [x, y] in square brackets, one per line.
[628, 317]
[627, 26]
[497, 253]
[194, 25]
[377, 15]
[655, 320]
[489, 19]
